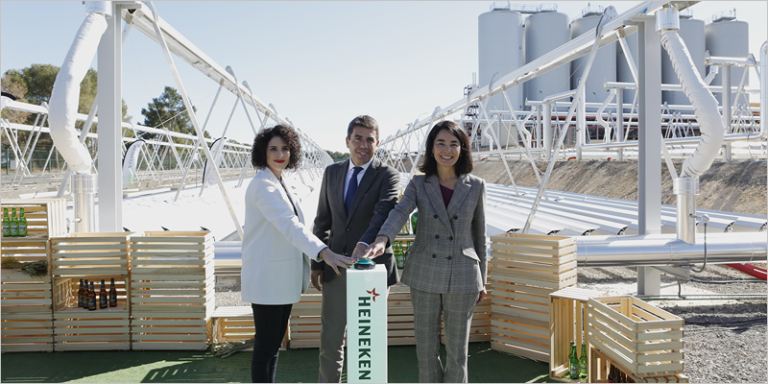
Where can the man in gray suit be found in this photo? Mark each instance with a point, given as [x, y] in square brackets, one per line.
[355, 199]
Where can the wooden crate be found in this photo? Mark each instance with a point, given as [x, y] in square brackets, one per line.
[304, 324]
[100, 255]
[25, 249]
[45, 217]
[95, 257]
[235, 323]
[172, 290]
[523, 271]
[600, 365]
[643, 339]
[78, 329]
[27, 312]
[567, 322]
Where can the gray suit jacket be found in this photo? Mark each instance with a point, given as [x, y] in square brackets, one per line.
[375, 197]
[449, 253]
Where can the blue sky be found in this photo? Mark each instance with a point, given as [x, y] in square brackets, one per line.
[320, 63]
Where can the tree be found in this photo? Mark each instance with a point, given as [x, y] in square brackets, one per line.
[18, 90]
[169, 111]
[38, 80]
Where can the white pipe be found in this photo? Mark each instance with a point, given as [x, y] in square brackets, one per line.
[65, 96]
[763, 90]
[665, 250]
[704, 104]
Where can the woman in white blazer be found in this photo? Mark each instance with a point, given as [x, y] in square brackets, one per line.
[277, 247]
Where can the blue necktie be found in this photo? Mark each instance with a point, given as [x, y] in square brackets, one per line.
[351, 188]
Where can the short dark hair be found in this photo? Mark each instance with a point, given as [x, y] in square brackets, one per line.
[291, 138]
[463, 164]
[364, 121]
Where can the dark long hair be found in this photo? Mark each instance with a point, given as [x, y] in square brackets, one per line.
[463, 164]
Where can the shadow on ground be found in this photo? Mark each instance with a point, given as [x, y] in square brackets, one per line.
[295, 366]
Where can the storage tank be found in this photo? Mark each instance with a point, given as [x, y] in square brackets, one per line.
[623, 72]
[544, 32]
[692, 33]
[500, 50]
[603, 67]
[730, 39]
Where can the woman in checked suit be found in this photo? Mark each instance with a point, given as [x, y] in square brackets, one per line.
[277, 247]
[446, 267]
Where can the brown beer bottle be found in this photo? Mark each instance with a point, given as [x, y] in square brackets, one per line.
[85, 295]
[91, 299]
[80, 295]
[102, 296]
[112, 293]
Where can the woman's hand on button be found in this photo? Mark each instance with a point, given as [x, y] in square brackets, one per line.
[377, 248]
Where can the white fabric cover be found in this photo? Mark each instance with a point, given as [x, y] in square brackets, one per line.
[62, 110]
[704, 105]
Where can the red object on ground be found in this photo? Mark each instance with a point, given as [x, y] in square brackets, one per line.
[572, 158]
[750, 269]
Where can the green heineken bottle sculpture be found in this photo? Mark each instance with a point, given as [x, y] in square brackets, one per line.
[414, 221]
[573, 363]
[22, 224]
[583, 366]
[14, 224]
[6, 224]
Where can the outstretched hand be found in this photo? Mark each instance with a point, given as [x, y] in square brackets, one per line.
[336, 261]
[377, 248]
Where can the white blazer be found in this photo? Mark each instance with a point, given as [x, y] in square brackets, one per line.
[277, 246]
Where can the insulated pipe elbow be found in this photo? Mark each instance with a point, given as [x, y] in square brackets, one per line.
[704, 105]
[65, 97]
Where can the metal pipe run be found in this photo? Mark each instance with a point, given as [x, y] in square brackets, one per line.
[686, 189]
[667, 250]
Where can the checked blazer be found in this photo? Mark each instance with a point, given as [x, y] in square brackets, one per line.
[449, 253]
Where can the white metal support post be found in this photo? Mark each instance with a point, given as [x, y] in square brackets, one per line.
[620, 121]
[727, 103]
[649, 144]
[109, 130]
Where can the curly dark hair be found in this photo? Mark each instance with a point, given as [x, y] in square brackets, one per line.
[463, 164]
[259, 148]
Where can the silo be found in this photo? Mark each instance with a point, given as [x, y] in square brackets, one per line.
[729, 39]
[544, 32]
[603, 67]
[623, 72]
[500, 51]
[692, 33]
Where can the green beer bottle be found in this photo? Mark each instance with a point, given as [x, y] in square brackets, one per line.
[14, 224]
[399, 259]
[22, 224]
[573, 363]
[6, 224]
[414, 221]
[583, 366]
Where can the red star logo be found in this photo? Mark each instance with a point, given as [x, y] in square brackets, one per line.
[374, 294]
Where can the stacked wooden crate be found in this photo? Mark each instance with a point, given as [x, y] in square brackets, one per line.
[172, 290]
[600, 366]
[27, 316]
[523, 271]
[232, 323]
[95, 257]
[642, 340]
[400, 330]
[304, 324]
[27, 301]
[567, 313]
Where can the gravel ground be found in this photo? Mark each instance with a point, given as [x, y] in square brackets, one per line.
[725, 341]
